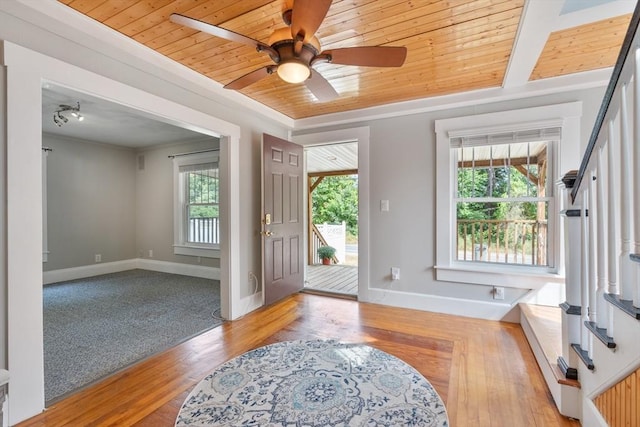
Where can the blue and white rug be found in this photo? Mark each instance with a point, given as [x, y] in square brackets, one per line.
[314, 383]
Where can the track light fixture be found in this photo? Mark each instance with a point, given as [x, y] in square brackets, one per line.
[59, 119]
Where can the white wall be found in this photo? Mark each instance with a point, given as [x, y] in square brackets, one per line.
[154, 203]
[402, 170]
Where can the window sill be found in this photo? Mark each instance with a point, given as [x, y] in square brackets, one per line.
[201, 251]
[514, 277]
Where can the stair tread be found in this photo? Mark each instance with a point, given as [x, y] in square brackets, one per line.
[546, 324]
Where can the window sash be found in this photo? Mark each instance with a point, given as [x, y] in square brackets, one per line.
[196, 236]
[200, 230]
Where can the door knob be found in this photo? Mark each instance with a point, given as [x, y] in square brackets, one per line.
[267, 233]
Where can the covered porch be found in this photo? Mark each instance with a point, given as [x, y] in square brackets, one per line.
[336, 279]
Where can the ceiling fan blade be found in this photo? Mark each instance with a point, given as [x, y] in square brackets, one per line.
[250, 78]
[369, 56]
[320, 87]
[214, 30]
[307, 16]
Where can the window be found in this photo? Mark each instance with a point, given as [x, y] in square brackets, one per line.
[502, 198]
[196, 205]
[497, 201]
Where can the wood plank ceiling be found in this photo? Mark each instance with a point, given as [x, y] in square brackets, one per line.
[453, 46]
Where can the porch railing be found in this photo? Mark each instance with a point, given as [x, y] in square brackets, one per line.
[318, 240]
[204, 230]
[505, 241]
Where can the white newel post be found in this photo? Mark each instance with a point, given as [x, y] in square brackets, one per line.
[571, 310]
[627, 271]
[594, 302]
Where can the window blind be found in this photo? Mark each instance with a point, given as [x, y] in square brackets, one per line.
[532, 135]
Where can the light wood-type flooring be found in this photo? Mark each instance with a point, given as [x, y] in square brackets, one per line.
[484, 370]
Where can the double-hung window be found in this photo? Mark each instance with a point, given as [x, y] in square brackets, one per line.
[502, 197]
[497, 196]
[196, 205]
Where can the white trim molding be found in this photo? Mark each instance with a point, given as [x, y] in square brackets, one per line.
[73, 273]
[361, 135]
[181, 244]
[566, 116]
[26, 71]
[439, 304]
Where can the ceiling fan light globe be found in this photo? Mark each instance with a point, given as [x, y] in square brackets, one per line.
[293, 71]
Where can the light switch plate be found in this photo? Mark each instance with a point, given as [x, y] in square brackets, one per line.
[384, 205]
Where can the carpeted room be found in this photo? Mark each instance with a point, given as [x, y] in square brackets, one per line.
[109, 209]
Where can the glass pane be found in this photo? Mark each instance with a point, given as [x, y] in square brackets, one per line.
[203, 186]
[503, 170]
[203, 224]
[202, 206]
[502, 232]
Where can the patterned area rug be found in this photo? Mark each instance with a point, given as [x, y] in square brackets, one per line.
[314, 383]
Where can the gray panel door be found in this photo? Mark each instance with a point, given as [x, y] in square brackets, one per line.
[282, 221]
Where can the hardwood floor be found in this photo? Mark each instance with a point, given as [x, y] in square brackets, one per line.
[484, 370]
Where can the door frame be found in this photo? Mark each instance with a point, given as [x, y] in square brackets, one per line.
[26, 71]
[361, 136]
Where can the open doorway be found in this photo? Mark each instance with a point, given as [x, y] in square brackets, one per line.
[117, 288]
[332, 214]
[24, 180]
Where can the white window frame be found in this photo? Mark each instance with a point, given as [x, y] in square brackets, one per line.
[181, 245]
[567, 117]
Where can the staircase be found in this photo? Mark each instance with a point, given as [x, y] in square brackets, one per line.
[600, 321]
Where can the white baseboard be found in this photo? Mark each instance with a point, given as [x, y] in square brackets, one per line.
[250, 303]
[64, 274]
[73, 273]
[177, 268]
[439, 304]
[591, 417]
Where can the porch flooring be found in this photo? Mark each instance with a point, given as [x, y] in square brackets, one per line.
[340, 279]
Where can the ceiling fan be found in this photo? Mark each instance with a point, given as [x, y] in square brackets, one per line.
[295, 49]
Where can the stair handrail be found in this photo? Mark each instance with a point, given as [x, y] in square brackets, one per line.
[618, 69]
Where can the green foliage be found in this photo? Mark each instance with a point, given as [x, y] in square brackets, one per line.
[335, 200]
[498, 182]
[203, 211]
[326, 252]
[203, 193]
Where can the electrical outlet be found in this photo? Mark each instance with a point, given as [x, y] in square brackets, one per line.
[98, 257]
[150, 253]
[395, 273]
[498, 292]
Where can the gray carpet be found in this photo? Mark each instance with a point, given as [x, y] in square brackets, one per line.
[96, 326]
